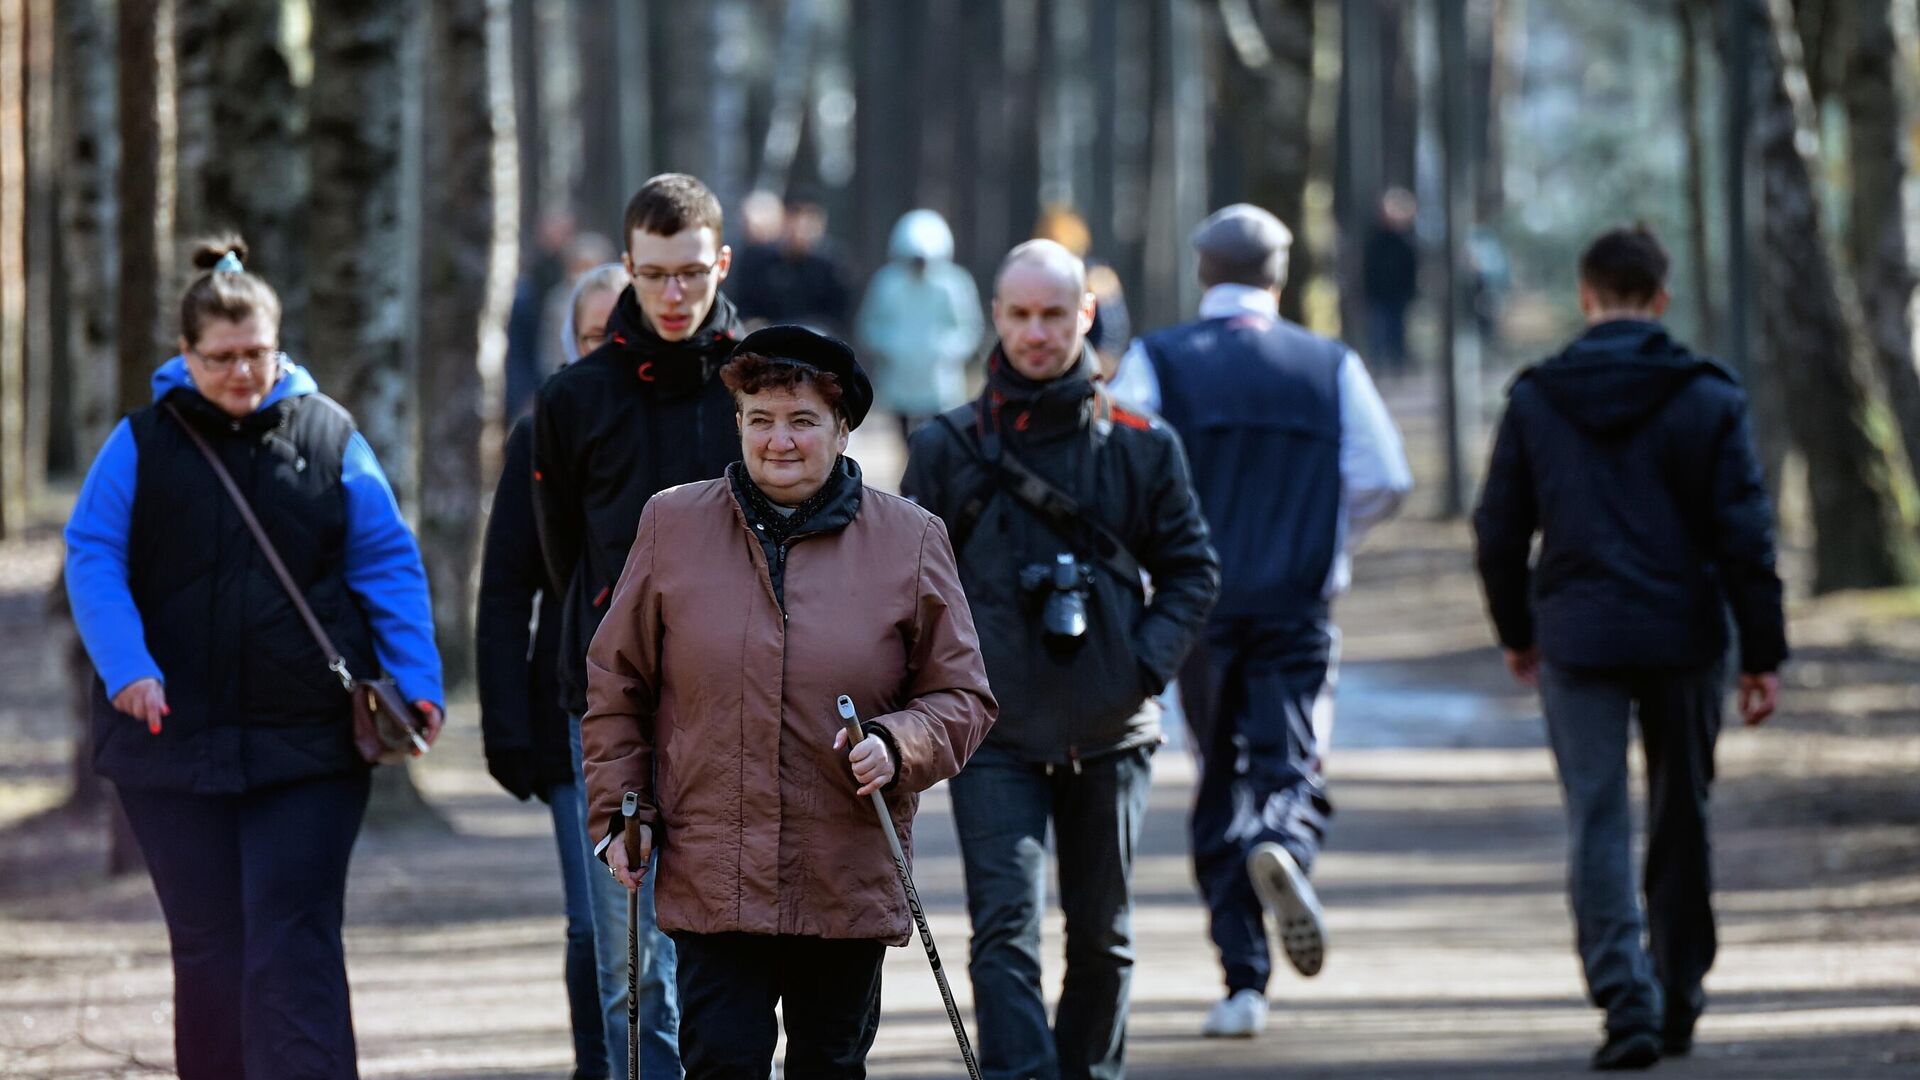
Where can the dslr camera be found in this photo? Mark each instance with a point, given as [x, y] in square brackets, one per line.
[1061, 586]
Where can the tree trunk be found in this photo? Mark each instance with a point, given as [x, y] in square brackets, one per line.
[240, 156]
[1860, 539]
[143, 207]
[13, 271]
[359, 322]
[885, 118]
[1877, 228]
[1267, 85]
[41, 246]
[461, 302]
[90, 153]
[1706, 331]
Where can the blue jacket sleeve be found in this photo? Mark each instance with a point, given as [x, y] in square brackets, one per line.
[387, 578]
[97, 587]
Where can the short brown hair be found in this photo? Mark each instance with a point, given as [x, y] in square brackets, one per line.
[223, 294]
[1625, 265]
[752, 373]
[671, 203]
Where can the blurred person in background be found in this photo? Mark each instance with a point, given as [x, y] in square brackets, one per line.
[1390, 280]
[527, 328]
[532, 748]
[216, 716]
[920, 322]
[588, 251]
[750, 284]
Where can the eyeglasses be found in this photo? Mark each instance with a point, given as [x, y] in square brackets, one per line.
[654, 279]
[257, 359]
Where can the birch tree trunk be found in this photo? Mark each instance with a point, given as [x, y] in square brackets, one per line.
[13, 275]
[1861, 540]
[359, 320]
[462, 297]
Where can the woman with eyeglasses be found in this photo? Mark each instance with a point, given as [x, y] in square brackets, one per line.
[227, 737]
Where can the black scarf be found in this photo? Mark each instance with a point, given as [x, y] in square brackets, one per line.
[1022, 407]
[762, 512]
[672, 368]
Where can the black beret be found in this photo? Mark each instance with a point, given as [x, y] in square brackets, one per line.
[802, 347]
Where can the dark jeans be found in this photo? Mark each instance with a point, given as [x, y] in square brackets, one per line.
[1001, 807]
[1259, 698]
[253, 886]
[828, 990]
[1679, 716]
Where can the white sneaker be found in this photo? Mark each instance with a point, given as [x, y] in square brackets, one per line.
[1241, 1016]
[1291, 901]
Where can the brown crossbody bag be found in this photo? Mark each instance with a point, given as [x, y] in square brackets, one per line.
[385, 728]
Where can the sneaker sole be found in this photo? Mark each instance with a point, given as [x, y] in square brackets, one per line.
[1285, 891]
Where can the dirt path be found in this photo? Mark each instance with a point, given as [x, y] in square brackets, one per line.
[1443, 879]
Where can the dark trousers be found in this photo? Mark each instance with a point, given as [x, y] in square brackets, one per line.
[1259, 698]
[1001, 807]
[253, 886]
[828, 991]
[1679, 715]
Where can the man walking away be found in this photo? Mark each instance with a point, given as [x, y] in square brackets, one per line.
[1632, 459]
[1294, 456]
[1056, 501]
[643, 412]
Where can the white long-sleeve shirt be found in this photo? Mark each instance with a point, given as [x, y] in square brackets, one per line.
[1374, 475]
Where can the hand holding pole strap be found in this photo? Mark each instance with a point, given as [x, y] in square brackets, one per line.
[851, 720]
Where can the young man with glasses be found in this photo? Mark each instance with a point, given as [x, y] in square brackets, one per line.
[643, 412]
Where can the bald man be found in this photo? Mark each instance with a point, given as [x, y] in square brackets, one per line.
[1058, 503]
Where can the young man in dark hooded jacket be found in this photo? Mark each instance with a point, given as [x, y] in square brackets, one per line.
[1633, 459]
[643, 412]
[1075, 651]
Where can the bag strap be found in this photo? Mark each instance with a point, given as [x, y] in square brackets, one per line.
[336, 663]
[1057, 509]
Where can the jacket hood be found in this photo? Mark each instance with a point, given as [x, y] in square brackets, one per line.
[920, 234]
[294, 381]
[1617, 375]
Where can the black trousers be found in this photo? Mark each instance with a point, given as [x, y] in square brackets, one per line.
[1259, 699]
[828, 990]
[253, 886]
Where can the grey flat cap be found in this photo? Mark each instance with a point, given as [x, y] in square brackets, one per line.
[1245, 237]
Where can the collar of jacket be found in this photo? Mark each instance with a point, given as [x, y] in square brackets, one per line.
[672, 368]
[830, 509]
[213, 420]
[1023, 408]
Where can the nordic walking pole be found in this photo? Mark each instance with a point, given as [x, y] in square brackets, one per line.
[851, 720]
[629, 805]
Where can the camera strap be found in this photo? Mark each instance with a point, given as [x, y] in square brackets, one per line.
[1060, 511]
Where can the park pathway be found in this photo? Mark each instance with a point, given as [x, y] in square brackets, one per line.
[1451, 947]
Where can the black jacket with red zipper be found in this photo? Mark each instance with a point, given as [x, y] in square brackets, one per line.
[633, 417]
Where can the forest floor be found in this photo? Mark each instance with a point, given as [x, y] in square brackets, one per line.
[1451, 947]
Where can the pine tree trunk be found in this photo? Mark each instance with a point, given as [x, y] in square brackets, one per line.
[90, 149]
[461, 300]
[358, 328]
[1877, 233]
[1860, 539]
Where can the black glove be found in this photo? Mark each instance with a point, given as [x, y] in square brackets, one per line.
[512, 769]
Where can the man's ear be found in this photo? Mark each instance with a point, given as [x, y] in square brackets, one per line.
[1659, 303]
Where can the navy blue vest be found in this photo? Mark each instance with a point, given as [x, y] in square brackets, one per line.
[1256, 400]
[252, 701]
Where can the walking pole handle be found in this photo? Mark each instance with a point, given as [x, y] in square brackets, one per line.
[851, 720]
